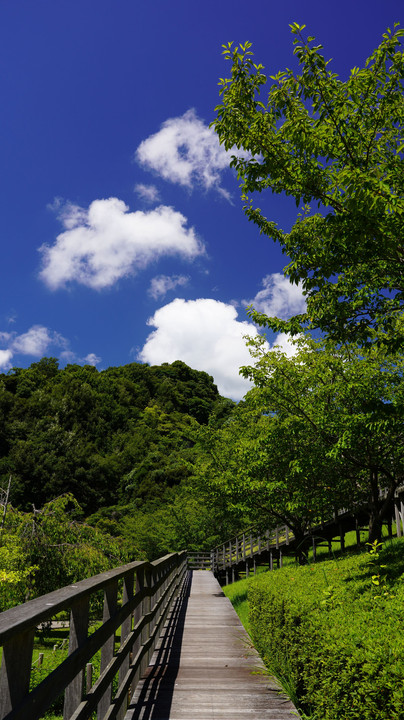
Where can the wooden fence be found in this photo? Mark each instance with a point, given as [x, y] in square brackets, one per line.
[242, 552]
[136, 598]
[200, 560]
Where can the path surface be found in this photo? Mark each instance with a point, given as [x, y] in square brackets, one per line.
[205, 667]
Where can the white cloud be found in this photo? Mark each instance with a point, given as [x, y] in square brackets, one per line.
[283, 341]
[92, 359]
[37, 341]
[279, 297]
[148, 193]
[106, 242]
[5, 357]
[161, 284]
[5, 337]
[187, 152]
[34, 342]
[206, 335]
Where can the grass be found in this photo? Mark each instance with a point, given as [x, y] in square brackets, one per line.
[237, 594]
[340, 584]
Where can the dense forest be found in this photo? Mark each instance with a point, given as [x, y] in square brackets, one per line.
[104, 467]
[123, 434]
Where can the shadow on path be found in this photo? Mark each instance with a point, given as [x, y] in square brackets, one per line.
[154, 693]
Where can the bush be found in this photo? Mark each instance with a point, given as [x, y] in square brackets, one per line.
[332, 635]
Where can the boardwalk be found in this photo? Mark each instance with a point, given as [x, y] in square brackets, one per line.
[204, 666]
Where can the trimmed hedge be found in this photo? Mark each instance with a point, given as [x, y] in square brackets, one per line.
[334, 637]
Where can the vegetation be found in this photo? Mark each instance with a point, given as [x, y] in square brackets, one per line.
[157, 461]
[117, 447]
[338, 145]
[335, 669]
[321, 429]
[49, 548]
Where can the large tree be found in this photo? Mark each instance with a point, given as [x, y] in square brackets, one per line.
[336, 147]
[320, 430]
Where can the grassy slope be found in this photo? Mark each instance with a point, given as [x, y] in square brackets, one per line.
[334, 599]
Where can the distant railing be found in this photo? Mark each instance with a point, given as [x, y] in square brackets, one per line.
[249, 544]
[147, 592]
[246, 547]
[200, 561]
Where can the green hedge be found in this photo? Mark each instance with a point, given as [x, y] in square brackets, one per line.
[334, 637]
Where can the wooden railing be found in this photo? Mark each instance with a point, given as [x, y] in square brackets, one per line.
[248, 546]
[146, 592]
[200, 560]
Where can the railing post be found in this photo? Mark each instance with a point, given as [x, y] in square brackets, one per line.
[146, 606]
[137, 615]
[287, 534]
[15, 671]
[357, 532]
[107, 650]
[397, 517]
[342, 537]
[126, 627]
[77, 637]
[244, 546]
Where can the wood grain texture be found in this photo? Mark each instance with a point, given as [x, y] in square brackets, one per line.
[205, 667]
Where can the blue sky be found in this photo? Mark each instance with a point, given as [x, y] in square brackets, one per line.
[121, 227]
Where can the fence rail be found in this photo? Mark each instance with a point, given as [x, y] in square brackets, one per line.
[137, 599]
[200, 560]
[245, 549]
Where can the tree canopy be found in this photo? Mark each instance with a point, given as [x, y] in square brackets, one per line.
[335, 146]
[319, 431]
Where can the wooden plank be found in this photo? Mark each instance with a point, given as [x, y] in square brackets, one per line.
[205, 667]
[77, 638]
[15, 671]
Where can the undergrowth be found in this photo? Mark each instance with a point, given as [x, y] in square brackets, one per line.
[332, 632]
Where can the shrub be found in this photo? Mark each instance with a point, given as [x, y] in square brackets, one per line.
[333, 638]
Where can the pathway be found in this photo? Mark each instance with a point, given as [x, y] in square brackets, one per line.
[204, 667]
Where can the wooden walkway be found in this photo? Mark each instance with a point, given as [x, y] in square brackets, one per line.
[204, 667]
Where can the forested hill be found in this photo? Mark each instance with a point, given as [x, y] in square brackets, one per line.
[118, 436]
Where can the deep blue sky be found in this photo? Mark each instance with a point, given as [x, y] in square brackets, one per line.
[154, 239]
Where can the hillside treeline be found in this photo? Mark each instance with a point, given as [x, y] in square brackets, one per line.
[122, 441]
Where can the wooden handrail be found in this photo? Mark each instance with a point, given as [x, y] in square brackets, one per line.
[252, 542]
[148, 602]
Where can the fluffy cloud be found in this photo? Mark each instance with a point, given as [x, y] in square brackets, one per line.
[34, 342]
[92, 359]
[279, 297]
[206, 335]
[148, 193]
[107, 242]
[161, 284]
[187, 152]
[5, 358]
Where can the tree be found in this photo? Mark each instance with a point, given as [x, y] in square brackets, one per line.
[333, 431]
[319, 431]
[339, 146]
